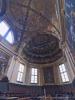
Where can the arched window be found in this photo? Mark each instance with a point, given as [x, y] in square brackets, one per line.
[6, 32]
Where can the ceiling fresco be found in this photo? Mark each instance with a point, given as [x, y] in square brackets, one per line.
[34, 31]
[33, 14]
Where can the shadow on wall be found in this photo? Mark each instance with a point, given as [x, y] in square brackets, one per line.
[4, 79]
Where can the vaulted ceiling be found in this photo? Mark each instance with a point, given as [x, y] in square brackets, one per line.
[31, 21]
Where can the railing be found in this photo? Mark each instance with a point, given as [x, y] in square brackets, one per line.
[48, 98]
[40, 92]
[12, 95]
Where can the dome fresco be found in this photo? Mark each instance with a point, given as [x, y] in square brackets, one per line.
[42, 48]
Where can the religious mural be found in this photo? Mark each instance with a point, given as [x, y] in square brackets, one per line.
[48, 75]
[70, 24]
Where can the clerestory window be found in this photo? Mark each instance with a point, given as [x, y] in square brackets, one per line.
[34, 75]
[6, 32]
[20, 73]
[63, 72]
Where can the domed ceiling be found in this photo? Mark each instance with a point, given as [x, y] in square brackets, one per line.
[42, 48]
[32, 22]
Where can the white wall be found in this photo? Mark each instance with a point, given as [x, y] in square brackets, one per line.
[13, 71]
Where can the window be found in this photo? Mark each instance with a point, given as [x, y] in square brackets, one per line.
[57, 9]
[20, 73]
[34, 75]
[63, 72]
[10, 37]
[6, 32]
[3, 28]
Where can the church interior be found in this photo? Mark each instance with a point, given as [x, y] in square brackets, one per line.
[37, 49]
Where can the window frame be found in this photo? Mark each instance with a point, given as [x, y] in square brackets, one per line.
[12, 36]
[34, 75]
[63, 74]
[8, 32]
[21, 73]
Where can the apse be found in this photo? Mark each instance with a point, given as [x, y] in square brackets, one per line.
[36, 41]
